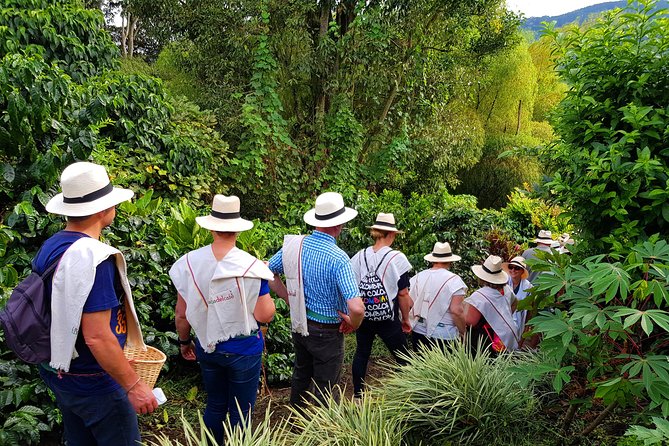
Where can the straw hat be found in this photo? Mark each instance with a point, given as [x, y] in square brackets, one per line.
[385, 222]
[86, 190]
[518, 261]
[329, 211]
[565, 239]
[491, 271]
[545, 238]
[224, 216]
[441, 253]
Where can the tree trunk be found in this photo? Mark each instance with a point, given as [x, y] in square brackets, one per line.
[131, 36]
[520, 106]
[569, 417]
[124, 34]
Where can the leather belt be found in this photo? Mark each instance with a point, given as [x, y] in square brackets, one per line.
[331, 326]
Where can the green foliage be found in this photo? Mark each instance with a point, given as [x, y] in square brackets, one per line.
[607, 334]
[611, 162]
[352, 93]
[493, 178]
[450, 396]
[530, 215]
[61, 32]
[27, 409]
[658, 435]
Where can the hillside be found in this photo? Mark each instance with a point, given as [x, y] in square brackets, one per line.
[534, 23]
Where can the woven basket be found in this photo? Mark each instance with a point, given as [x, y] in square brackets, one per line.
[147, 363]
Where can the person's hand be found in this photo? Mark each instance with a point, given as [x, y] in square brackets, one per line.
[345, 327]
[142, 399]
[188, 351]
[406, 326]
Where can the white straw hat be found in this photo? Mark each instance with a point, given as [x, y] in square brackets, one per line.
[385, 222]
[329, 211]
[565, 239]
[491, 271]
[441, 253]
[518, 261]
[86, 190]
[545, 238]
[224, 216]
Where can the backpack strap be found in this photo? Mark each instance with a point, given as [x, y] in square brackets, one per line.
[376, 271]
[51, 268]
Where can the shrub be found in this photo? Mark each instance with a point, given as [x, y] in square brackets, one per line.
[610, 163]
[606, 336]
[452, 396]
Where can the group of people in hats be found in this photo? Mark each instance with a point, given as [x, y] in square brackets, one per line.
[223, 294]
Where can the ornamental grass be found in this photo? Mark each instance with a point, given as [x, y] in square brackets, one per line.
[450, 396]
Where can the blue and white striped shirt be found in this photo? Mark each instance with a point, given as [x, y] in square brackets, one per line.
[327, 276]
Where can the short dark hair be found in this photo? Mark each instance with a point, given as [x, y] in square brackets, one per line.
[78, 219]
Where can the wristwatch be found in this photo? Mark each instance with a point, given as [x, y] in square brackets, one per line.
[186, 341]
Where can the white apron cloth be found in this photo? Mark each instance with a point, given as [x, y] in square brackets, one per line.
[292, 269]
[496, 309]
[72, 283]
[432, 291]
[220, 295]
[394, 265]
[520, 317]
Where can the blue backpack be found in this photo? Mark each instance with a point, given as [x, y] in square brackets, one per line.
[26, 319]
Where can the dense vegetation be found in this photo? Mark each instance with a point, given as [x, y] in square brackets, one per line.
[397, 105]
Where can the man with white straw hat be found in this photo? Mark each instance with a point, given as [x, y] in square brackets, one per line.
[222, 295]
[437, 293]
[323, 297]
[382, 275]
[92, 316]
[489, 310]
[544, 243]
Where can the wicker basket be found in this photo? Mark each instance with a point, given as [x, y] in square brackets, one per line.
[147, 363]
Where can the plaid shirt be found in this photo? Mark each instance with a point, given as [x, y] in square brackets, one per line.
[327, 274]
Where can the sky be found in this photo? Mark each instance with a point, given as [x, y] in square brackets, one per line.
[538, 8]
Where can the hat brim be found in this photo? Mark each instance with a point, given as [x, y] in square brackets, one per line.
[220, 225]
[500, 278]
[545, 241]
[58, 206]
[348, 215]
[505, 267]
[386, 229]
[433, 259]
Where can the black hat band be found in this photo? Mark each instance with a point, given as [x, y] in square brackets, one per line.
[89, 197]
[331, 215]
[225, 215]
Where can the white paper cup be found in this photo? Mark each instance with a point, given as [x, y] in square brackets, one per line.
[160, 395]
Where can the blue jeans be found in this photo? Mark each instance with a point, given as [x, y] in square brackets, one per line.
[104, 420]
[229, 380]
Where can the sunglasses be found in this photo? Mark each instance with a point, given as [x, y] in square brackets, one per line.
[515, 268]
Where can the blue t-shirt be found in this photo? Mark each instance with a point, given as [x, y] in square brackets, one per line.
[85, 376]
[245, 345]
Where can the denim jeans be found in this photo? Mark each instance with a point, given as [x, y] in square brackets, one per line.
[390, 333]
[229, 380]
[104, 420]
[318, 361]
